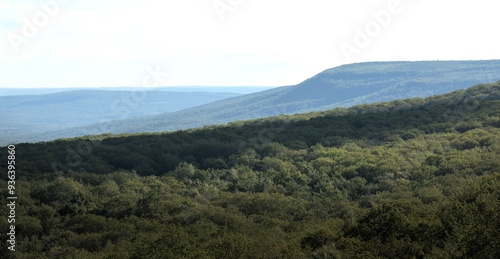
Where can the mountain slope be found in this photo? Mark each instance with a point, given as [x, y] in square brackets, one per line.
[337, 87]
[454, 111]
[413, 178]
[184, 89]
[37, 113]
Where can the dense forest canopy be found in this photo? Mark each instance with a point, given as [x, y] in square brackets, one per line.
[413, 178]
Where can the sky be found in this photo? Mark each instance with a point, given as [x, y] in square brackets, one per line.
[107, 43]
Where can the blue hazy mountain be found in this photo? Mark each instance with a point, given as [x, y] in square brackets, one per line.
[32, 114]
[204, 89]
[342, 86]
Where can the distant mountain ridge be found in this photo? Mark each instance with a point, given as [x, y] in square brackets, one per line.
[383, 81]
[32, 114]
[185, 89]
[342, 86]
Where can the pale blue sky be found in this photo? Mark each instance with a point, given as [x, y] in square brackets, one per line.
[95, 43]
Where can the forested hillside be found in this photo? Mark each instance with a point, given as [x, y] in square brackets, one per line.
[413, 178]
[342, 86]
